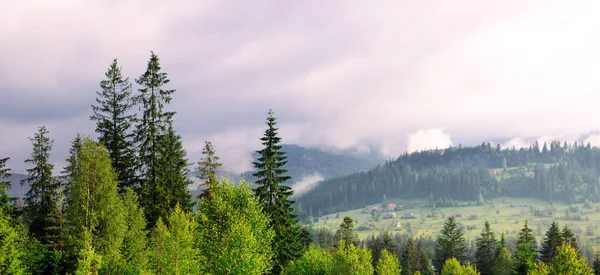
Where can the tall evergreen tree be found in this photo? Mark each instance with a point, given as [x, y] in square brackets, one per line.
[501, 243]
[172, 185]
[113, 124]
[503, 263]
[5, 185]
[346, 232]
[41, 210]
[450, 244]
[274, 196]
[552, 240]
[568, 237]
[486, 250]
[207, 168]
[153, 124]
[526, 252]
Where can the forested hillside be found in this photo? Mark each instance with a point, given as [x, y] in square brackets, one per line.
[555, 171]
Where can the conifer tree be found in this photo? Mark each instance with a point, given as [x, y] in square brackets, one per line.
[503, 263]
[388, 264]
[113, 124]
[526, 252]
[346, 232]
[596, 263]
[5, 185]
[152, 126]
[41, 209]
[274, 196]
[172, 185]
[552, 240]
[501, 244]
[567, 236]
[486, 250]
[207, 168]
[450, 244]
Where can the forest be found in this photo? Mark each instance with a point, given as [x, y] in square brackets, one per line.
[123, 205]
[556, 171]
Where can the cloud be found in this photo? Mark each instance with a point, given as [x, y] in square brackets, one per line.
[338, 73]
[428, 139]
[306, 183]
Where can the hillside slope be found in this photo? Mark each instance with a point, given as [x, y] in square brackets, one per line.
[567, 172]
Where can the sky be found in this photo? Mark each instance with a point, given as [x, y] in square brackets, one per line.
[395, 76]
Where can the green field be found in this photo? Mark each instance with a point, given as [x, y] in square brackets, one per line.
[504, 214]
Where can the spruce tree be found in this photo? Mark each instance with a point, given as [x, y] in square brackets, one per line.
[526, 252]
[346, 232]
[501, 244]
[503, 263]
[568, 237]
[207, 168]
[486, 250]
[410, 258]
[113, 124]
[5, 185]
[596, 263]
[172, 185]
[41, 209]
[152, 125]
[450, 244]
[274, 196]
[552, 240]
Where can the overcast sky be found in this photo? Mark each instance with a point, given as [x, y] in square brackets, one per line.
[396, 75]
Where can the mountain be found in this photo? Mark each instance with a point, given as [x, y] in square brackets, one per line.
[555, 171]
[310, 165]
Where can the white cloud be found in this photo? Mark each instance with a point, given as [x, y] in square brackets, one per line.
[306, 183]
[428, 139]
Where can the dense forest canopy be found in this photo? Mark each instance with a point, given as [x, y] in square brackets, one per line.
[555, 171]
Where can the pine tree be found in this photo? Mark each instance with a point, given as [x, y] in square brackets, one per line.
[501, 244]
[207, 168]
[567, 236]
[450, 244]
[526, 252]
[346, 232]
[486, 250]
[503, 263]
[94, 208]
[552, 240]
[151, 126]
[113, 124]
[596, 264]
[274, 196]
[5, 185]
[172, 185]
[41, 210]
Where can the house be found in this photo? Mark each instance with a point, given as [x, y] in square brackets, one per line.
[516, 214]
[391, 207]
[408, 216]
[473, 216]
[458, 215]
[391, 214]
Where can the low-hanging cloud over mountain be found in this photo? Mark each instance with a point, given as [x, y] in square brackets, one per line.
[393, 75]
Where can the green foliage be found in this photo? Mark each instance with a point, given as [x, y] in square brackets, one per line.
[10, 250]
[172, 247]
[207, 167]
[539, 268]
[414, 259]
[567, 261]
[596, 263]
[486, 250]
[451, 244]
[41, 210]
[503, 264]
[274, 196]
[524, 258]
[89, 261]
[161, 155]
[552, 240]
[388, 264]
[233, 232]
[5, 185]
[452, 267]
[113, 123]
[346, 232]
[315, 261]
[568, 237]
[134, 250]
[353, 260]
[94, 206]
